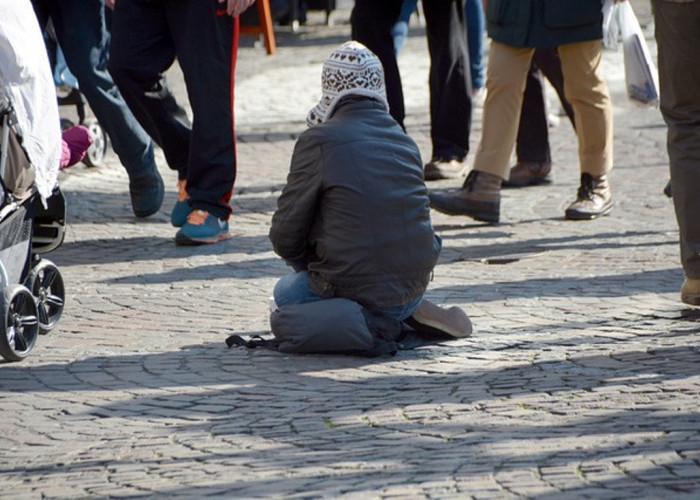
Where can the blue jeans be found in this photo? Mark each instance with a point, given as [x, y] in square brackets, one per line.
[294, 289]
[61, 74]
[82, 31]
[474, 13]
[399, 32]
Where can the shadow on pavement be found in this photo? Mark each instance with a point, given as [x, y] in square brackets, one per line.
[133, 249]
[216, 402]
[520, 248]
[612, 285]
[248, 270]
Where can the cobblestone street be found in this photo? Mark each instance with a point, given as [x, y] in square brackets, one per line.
[582, 378]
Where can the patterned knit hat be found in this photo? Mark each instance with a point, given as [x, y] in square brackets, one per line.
[352, 69]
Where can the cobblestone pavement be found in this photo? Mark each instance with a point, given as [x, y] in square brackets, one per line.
[581, 381]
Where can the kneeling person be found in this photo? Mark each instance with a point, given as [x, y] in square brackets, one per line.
[353, 220]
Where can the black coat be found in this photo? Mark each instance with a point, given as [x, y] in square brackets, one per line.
[544, 23]
[355, 210]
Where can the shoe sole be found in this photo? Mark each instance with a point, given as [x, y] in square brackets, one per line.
[148, 213]
[479, 216]
[573, 215]
[535, 181]
[437, 176]
[691, 300]
[419, 323]
[183, 240]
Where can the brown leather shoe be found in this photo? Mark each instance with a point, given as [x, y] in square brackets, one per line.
[433, 319]
[529, 174]
[593, 199]
[690, 291]
[444, 168]
[479, 198]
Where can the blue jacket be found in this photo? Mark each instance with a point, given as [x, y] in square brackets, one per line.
[544, 23]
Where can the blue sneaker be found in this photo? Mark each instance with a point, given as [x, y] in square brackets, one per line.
[202, 228]
[182, 207]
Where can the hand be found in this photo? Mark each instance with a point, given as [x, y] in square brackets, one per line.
[110, 3]
[235, 7]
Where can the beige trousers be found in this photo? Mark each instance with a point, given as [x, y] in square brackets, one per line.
[584, 88]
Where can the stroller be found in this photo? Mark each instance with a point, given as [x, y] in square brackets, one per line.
[32, 293]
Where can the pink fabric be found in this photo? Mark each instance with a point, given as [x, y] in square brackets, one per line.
[74, 145]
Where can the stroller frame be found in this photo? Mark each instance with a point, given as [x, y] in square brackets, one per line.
[32, 292]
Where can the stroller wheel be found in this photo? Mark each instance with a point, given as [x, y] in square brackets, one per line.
[20, 326]
[98, 149]
[46, 285]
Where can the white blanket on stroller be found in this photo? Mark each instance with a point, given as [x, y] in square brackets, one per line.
[25, 77]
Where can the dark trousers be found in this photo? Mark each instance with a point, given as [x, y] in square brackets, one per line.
[147, 36]
[532, 144]
[450, 93]
[371, 25]
[83, 34]
[678, 37]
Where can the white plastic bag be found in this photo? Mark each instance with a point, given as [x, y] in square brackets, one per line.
[611, 28]
[640, 71]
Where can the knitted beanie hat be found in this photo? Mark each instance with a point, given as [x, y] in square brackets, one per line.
[352, 69]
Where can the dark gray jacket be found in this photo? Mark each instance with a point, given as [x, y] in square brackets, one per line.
[354, 212]
[544, 23]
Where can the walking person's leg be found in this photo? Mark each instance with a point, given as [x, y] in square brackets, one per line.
[206, 45]
[588, 94]
[476, 27]
[678, 37]
[534, 161]
[141, 51]
[480, 195]
[372, 24]
[450, 89]
[547, 60]
[83, 34]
